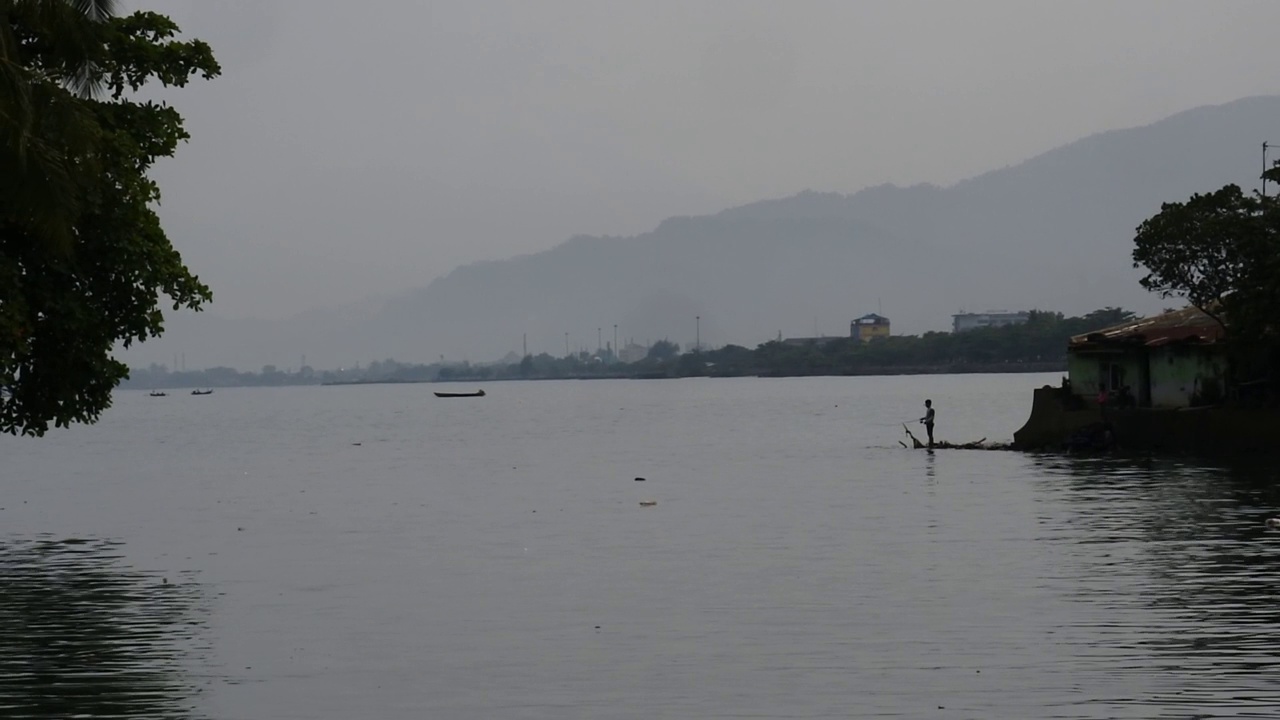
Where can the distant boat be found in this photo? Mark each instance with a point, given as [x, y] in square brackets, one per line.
[202, 392]
[478, 393]
[155, 393]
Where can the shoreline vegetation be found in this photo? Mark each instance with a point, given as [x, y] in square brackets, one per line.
[1039, 345]
[968, 369]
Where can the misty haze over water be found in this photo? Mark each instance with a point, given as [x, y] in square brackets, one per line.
[337, 203]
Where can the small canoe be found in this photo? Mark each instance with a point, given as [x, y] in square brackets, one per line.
[478, 393]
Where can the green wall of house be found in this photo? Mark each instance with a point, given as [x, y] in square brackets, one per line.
[1180, 376]
[1089, 371]
[1184, 376]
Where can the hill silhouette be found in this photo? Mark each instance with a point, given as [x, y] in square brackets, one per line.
[1054, 232]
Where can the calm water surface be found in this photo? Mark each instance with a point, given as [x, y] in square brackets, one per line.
[375, 552]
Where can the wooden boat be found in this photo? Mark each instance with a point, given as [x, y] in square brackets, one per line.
[159, 394]
[478, 393]
[202, 392]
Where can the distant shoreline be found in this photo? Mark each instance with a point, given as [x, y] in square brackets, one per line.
[957, 369]
[357, 382]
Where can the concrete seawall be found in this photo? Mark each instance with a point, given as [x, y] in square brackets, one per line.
[1217, 430]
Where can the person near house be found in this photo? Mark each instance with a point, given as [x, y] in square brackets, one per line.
[927, 420]
[1124, 398]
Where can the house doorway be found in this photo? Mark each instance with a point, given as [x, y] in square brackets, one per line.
[1111, 376]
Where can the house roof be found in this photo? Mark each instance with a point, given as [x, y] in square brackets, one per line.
[1185, 325]
[873, 317]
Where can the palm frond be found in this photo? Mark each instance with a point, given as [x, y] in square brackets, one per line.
[48, 136]
[95, 10]
[71, 31]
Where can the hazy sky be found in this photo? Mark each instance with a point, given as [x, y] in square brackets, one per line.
[356, 149]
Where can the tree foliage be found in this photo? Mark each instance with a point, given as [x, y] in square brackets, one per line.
[1218, 251]
[1039, 344]
[66, 300]
[48, 52]
[664, 349]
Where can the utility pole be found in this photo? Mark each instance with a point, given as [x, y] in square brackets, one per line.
[566, 345]
[524, 345]
[697, 341]
[599, 341]
[615, 341]
[1264, 169]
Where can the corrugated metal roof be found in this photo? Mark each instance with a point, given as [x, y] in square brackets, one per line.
[1185, 325]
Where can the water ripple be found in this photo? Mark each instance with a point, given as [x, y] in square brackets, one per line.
[83, 636]
[1177, 571]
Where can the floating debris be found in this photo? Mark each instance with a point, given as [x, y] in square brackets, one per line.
[944, 445]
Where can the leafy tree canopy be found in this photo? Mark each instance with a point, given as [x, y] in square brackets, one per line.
[1218, 251]
[83, 259]
[664, 349]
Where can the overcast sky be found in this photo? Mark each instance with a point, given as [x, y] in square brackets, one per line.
[359, 149]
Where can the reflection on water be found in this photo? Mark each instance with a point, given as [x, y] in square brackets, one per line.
[1180, 574]
[82, 636]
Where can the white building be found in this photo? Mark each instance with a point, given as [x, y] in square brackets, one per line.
[991, 318]
[631, 352]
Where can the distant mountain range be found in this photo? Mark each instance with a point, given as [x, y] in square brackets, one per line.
[1054, 232]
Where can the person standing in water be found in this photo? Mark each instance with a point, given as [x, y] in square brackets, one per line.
[928, 420]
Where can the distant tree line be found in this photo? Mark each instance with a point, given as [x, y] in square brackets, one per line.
[1038, 345]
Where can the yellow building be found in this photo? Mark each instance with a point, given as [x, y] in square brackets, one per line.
[869, 327]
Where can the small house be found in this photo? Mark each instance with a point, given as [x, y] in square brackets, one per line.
[869, 327]
[1169, 361]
